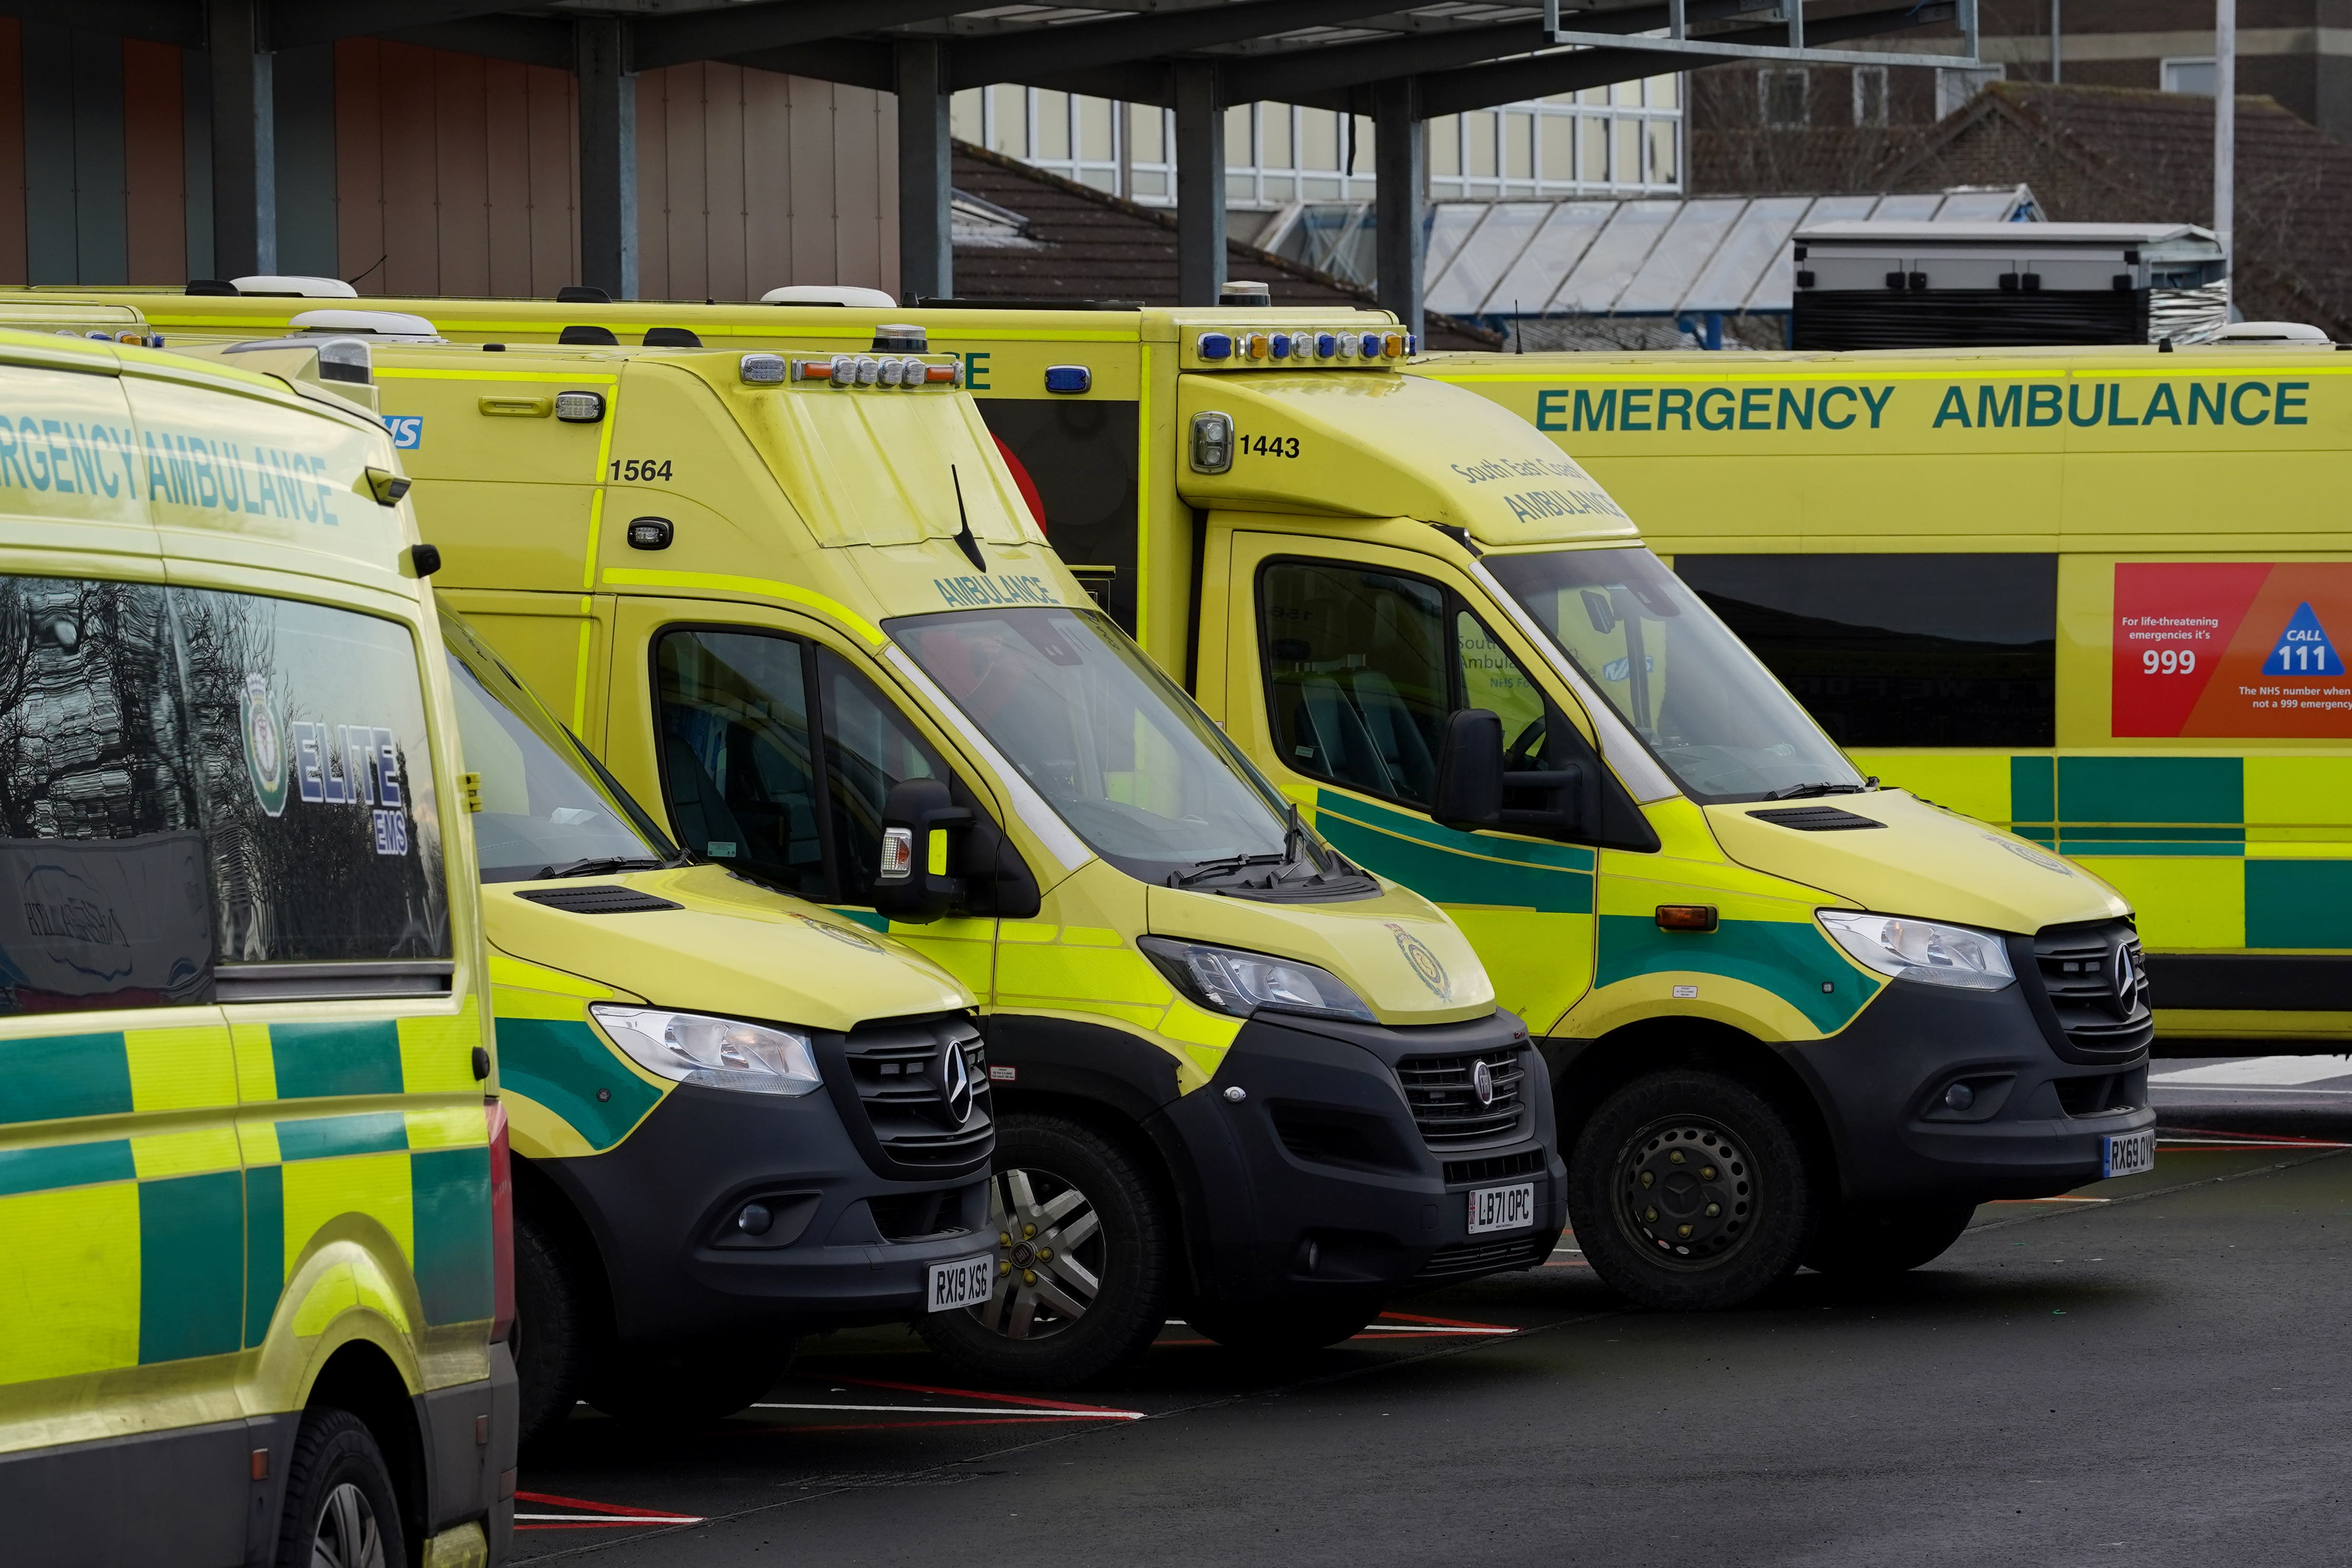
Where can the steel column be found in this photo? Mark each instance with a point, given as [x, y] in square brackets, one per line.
[926, 240]
[245, 141]
[1200, 184]
[608, 156]
[1400, 160]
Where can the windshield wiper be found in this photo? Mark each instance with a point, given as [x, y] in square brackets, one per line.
[1806, 792]
[601, 865]
[1203, 870]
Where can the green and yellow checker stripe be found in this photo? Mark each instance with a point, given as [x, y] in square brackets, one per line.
[159, 1186]
[2214, 853]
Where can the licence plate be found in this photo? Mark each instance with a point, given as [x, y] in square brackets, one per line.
[1503, 1208]
[2127, 1153]
[965, 1282]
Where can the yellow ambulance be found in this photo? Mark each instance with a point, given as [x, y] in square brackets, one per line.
[737, 1118]
[253, 1184]
[808, 611]
[2099, 597]
[1667, 868]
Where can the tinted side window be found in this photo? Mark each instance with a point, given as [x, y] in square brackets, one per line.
[307, 725]
[869, 746]
[1357, 677]
[1079, 456]
[105, 896]
[736, 754]
[1900, 650]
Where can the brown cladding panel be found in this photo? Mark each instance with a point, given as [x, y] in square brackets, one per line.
[505, 164]
[767, 182]
[359, 164]
[724, 202]
[554, 182]
[155, 171]
[809, 190]
[653, 185]
[411, 194]
[461, 149]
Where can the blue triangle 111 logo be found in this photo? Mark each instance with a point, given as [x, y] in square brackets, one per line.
[2304, 650]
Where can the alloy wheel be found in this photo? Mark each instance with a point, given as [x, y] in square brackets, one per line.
[346, 1536]
[1049, 1255]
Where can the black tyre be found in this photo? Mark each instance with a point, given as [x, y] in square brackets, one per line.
[1085, 1260]
[554, 1325]
[686, 1389]
[1864, 1242]
[1283, 1328]
[1690, 1192]
[340, 1508]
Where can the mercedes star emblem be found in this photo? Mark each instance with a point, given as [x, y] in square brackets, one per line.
[2126, 996]
[955, 1084]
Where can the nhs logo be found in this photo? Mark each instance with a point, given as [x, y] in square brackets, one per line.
[407, 430]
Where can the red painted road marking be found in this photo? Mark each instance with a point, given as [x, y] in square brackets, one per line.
[982, 1394]
[599, 1515]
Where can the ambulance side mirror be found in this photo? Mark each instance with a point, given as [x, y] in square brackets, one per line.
[920, 821]
[1468, 792]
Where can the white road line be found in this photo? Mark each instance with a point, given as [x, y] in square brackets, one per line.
[965, 1410]
[1426, 1328]
[2298, 1092]
[2259, 1071]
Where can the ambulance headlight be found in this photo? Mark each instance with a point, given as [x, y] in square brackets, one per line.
[1922, 950]
[715, 1052]
[1228, 980]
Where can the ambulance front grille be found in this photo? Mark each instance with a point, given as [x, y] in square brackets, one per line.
[2076, 968]
[1443, 1093]
[899, 1070]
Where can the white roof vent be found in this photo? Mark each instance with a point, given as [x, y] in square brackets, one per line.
[376, 323]
[294, 286]
[2269, 332]
[830, 294]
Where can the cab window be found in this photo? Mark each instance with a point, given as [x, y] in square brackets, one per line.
[1363, 667]
[740, 717]
[108, 900]
[307, 725]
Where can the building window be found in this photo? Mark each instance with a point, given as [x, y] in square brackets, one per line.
[2193, 74]
[1870, 94]
[1785, 98]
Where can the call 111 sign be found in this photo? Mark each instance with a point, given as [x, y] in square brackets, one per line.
[2240, 649]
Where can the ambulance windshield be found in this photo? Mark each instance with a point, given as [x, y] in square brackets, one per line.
[1122, 756]
[548, 810]
[1708, 709]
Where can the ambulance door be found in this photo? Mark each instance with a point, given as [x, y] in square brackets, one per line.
[1342, 664]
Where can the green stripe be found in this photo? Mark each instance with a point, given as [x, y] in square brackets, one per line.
[2033, 790]
[1554, 857]
[1447, 867]
[317, 1060]
[324, 1137]
[65, 1164]
[2226, 848]
[451, 1190]
[2147, 789]
[191, 1266]
[1792, 960]
[2299, 904]
[561, 1063]
[264, 1249]
[52, 1076]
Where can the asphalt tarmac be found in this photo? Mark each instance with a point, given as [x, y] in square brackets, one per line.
[2151, 1371]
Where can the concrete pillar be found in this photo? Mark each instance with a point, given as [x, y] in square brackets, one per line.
[608, 157]
[1400, 160]
[245, 140]
[1200, 184]
[926, 252]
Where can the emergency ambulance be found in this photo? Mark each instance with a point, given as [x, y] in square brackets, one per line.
[2101, 597]
[253, 1170]
[1237, 1077]
[736, 1117]
[1717, 926]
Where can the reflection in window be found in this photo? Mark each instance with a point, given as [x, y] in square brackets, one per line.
[869, 746]
[104, 900]
[307, 725]
[1900, 650]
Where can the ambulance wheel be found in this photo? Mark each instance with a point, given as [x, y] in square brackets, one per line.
[1690, 1192]
[1085, 1261]
[1858, 1242]
[552, 1327]
[1282, 1328]
[691, 1389]
[340, 1510]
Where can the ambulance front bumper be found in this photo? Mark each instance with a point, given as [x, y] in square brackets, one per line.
[837, 1245]
[2034, 1124]
[1323, 1178]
